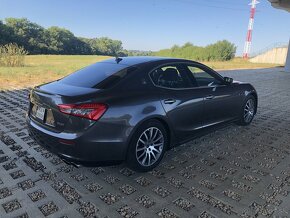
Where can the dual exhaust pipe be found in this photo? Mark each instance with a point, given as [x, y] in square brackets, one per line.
[71, 163]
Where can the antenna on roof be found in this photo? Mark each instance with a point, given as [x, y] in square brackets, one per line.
[117, 59]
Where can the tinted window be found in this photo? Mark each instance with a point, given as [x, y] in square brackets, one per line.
[98, 75]
[169, 77]
[203, 78]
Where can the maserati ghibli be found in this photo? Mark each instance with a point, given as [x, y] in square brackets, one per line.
[133, 109]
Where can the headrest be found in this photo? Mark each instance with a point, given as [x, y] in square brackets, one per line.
[170, 74]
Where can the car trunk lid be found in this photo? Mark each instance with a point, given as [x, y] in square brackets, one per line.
[44, 101]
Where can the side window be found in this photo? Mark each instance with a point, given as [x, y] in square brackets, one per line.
[169, 77]
[202, 78]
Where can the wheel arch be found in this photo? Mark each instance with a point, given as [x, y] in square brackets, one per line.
[168, 130]
[163, 121]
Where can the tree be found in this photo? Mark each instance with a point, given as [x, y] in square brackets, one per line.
[104, 46]
[224, 50]
[107, 46]
[62, 41]
[27, 34]
[5, 34]
[59, 40]
[54, 40]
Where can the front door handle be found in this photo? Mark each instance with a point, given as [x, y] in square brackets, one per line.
[169, 101]
[209, 97]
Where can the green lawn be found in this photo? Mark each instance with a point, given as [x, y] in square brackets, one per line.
[44, 68]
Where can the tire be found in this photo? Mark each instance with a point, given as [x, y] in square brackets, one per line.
[248, 111]
[151, 140]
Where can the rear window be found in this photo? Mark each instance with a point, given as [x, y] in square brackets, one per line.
[99, 75]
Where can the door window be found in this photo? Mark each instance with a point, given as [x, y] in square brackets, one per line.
[203, 78]
[170, 77]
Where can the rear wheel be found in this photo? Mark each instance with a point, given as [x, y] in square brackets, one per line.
[248, 111]
[147, 146]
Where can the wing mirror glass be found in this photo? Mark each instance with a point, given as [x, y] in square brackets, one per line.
[228, 80]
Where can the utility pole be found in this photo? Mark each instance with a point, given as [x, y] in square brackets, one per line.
[248, 42]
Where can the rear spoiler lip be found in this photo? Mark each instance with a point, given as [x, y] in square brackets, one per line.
[59, 89]
[38, 90]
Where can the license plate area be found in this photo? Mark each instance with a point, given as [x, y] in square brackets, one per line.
[40, 113]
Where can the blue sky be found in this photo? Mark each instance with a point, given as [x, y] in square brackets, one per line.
[157, 24]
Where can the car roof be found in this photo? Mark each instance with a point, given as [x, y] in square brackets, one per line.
[134, 60]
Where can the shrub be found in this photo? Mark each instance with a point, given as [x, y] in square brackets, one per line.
[12, 55]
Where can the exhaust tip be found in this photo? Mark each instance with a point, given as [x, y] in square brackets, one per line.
[71, 163]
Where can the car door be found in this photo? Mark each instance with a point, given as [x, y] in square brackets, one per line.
[220, 99]
[183, 105]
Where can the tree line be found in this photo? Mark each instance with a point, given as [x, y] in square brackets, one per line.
[219, 51]
[54, 40]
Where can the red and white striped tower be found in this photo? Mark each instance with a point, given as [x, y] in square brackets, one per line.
[248, 42]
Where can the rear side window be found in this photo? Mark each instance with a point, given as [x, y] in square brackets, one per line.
[99, 75]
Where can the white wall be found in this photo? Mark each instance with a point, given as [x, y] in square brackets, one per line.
[273, 56]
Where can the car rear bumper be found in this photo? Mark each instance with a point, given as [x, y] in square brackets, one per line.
[80, 149]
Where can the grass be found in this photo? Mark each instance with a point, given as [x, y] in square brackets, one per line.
[237, 63]
[44, 68]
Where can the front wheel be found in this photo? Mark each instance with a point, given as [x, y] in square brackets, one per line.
[147, 146]
[248, 111]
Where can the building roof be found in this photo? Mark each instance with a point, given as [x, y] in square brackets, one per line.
[281, 4]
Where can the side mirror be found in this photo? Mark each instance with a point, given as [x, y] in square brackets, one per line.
[228, 80]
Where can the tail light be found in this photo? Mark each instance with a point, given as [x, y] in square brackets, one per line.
[92, 111]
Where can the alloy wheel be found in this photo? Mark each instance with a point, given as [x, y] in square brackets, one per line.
[249, 110]
[149, 146]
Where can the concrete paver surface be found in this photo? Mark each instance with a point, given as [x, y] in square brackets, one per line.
[232, 172]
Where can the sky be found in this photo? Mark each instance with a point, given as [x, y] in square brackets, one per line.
[158, 24]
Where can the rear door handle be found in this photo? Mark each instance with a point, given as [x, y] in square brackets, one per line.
[169, 101]
[209, 97]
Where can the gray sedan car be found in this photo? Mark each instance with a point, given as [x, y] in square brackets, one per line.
[134, 109]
